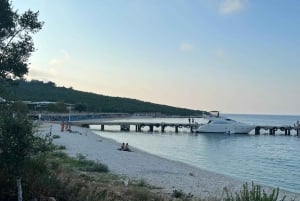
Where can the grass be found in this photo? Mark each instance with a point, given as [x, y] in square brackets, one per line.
[80, 163]
[255, 193]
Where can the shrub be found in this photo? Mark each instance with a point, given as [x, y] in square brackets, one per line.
[138, 194]
[61, 147]
[91, 166]
[177, 193]
[55, 136]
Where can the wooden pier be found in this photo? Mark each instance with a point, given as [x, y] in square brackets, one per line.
[125, 126]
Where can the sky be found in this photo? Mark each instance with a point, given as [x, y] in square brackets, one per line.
[234, 56]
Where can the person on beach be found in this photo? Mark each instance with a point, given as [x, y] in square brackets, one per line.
[189, 120]
[62, 126]
[122, 147]
[126, 148]
[69, 127]
[66, 126]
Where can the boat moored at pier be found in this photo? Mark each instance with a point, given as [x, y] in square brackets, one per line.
[218, 124]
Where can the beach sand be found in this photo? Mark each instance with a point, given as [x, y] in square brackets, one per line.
[138, 165]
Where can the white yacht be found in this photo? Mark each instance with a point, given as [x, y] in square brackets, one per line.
[217, 124]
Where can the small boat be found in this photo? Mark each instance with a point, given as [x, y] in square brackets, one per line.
[218, 124]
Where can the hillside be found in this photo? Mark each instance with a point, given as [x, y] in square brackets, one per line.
[40, 91]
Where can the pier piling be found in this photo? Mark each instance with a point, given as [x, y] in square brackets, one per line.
[257, 130]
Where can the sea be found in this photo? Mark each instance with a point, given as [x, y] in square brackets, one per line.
[264, 159]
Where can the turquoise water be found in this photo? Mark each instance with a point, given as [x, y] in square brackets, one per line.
[270, 160]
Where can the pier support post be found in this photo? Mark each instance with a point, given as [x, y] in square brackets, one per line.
[102, 127]
[162, 128]
[176, 129]
[192, 130]
[257, 130]
[272, 131]
[151, 128]
[125, 127]
[298, 131]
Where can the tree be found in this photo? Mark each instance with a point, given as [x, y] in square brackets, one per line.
[16, 143]
[57, 107]
[16, 46]
[20, 107]
[80, 107]
[16, 43]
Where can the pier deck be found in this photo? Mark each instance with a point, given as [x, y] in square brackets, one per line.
[125, 126]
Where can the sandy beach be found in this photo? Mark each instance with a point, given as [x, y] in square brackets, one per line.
[160, 172]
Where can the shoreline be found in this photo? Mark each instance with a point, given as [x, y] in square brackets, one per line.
[139, 165]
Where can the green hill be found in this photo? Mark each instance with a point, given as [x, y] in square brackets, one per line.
[40, 91]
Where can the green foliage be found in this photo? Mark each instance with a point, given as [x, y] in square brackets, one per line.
[17, 140]
[39, 91]
[61, 147]
[81, 163]
[255, 193]
[177, 193]
[81, 107]
[138, 194]
[142, 183]
[16, 43]
[180, 194]
[20, 107]
[80, 156]
[57, 107]
[91, 166]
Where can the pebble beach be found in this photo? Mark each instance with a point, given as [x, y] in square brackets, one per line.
[165, 174]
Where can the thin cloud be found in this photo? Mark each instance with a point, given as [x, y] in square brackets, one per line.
[56, 67]
[186, 47]
[65, 56]
[227, 7]
[40, 73]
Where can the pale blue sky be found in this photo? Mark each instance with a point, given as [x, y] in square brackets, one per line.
[236, 56]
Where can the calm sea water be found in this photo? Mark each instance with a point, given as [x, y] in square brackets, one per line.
[269, 160]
